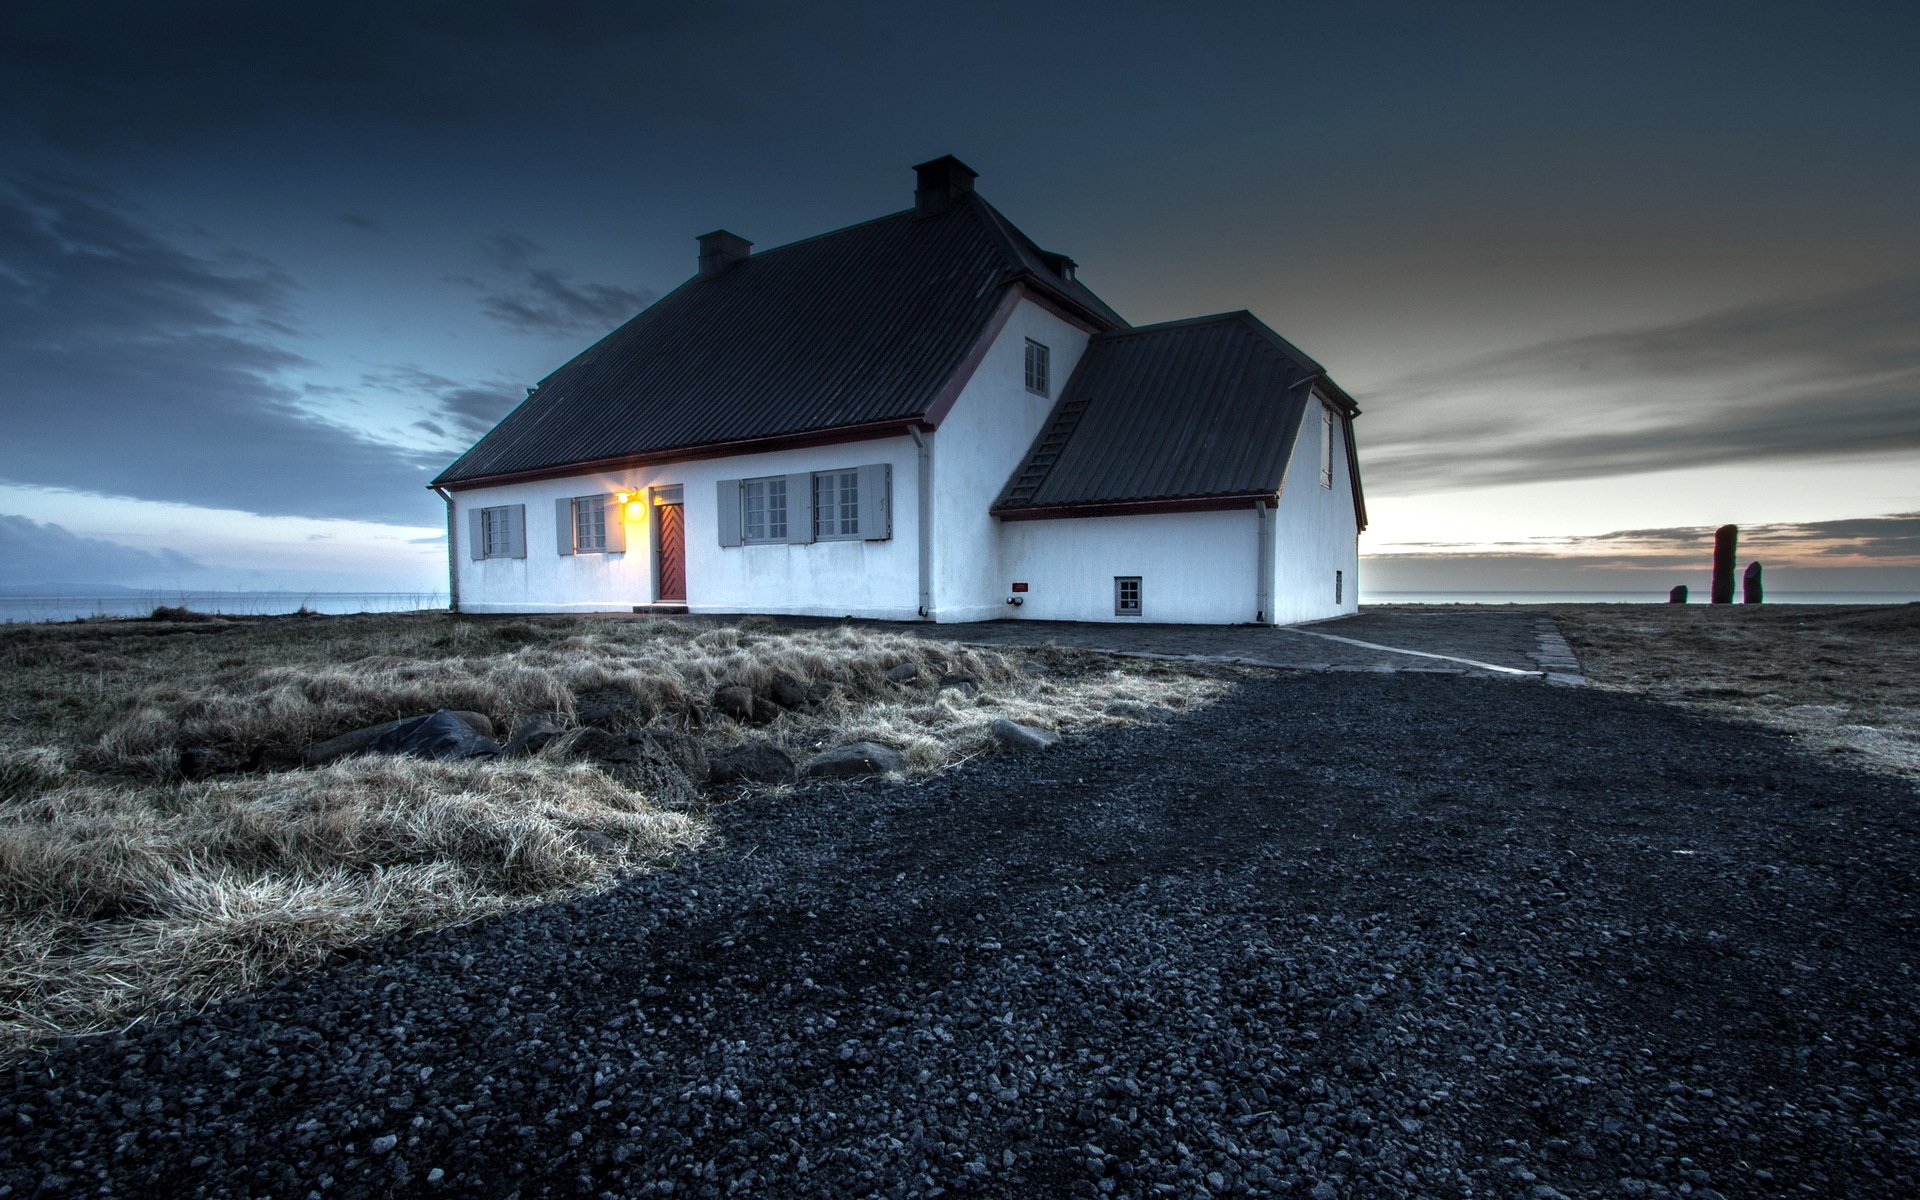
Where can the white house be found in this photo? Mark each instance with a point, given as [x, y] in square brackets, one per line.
[924, 416]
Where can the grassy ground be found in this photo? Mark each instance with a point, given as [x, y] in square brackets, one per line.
[127, 889]
[1846, 678]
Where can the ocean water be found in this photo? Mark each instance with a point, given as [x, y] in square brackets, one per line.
[1698, 597]
[139, 604]
[18, 608]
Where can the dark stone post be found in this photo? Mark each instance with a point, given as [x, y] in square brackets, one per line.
[1677, 595]
[1751, 583]
[1725, 541]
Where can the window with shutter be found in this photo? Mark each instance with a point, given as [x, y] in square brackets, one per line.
[763, 509]
[590, 525]
[500, 531]
[836, 505]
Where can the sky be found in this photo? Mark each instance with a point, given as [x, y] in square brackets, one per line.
[1601, 277]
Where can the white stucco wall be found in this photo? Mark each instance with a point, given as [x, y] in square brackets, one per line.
[833, 578]
[1199, 568]
[1315, 531]
[983, 438]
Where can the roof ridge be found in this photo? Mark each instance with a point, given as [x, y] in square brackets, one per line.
[1295, 354]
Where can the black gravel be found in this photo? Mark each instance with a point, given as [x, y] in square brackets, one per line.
[1339, 936]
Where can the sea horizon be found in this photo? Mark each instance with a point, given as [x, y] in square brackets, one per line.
[129, 603]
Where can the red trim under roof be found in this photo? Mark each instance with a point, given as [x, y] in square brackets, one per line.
[789, 441]
[1131, 508]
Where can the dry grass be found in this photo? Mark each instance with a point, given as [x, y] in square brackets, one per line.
[1844, 677]
[122, 900]
[127, 890]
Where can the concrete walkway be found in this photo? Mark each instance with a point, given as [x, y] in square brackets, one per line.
[1494, 642]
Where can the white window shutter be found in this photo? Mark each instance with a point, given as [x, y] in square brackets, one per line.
[516, 531]
[563, 525]
[728, 508]
[476, 534]
[799, 509]
[876, 502]
[616, 516]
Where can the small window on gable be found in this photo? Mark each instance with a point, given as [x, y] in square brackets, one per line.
[589, 524]
[1126, 596]
[1037, 356]
[763, 509]
[836, 505]
[1326, 446]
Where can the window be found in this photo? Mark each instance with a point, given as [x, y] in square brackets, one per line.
[1326, 446]
[589, 524]
[1126, 596]
[498, 531]
[1339, 580]
[763, 507]
[1037, 368]
[836, 504]
[844, 504]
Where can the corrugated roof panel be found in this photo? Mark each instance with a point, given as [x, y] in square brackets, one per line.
[855, 327]
[1180, 411]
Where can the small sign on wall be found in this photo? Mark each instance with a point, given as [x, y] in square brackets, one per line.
[1020, 587]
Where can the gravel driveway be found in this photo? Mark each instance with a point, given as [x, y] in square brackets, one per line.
[1337, 936]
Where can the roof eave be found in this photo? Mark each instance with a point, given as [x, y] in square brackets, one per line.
[786, 441]
[1127, 508]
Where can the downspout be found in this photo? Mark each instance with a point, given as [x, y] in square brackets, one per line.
[453, 571]
[924, 477]
[1263, 590]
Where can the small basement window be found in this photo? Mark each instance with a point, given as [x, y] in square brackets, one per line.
[1037, 356]
[1126, 596]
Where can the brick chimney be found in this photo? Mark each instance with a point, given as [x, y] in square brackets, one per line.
[941, 182]
[720, 250]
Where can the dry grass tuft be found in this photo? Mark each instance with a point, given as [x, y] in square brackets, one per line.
[125, 900]
[126, 890]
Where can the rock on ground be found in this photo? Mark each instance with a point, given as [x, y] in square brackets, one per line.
[1019, 738]
[753, 761]
[1336, 936]
[854, 760]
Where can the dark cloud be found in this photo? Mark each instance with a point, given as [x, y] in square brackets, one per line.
[139, 368]
[362, 223]
[35, 553]
[1833, 377]
[527, 297]
[113, 73]
[1893, 536]
[462, 411]
[1891, 540]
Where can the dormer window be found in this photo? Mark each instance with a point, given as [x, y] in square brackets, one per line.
[1037, 369]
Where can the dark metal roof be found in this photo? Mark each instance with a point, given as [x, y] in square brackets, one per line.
[1184, 411]
[854, 328]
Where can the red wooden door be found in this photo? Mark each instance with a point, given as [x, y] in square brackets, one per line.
[673, 555]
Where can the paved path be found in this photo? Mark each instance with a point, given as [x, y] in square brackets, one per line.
[1490, 642]
[1503, 642]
